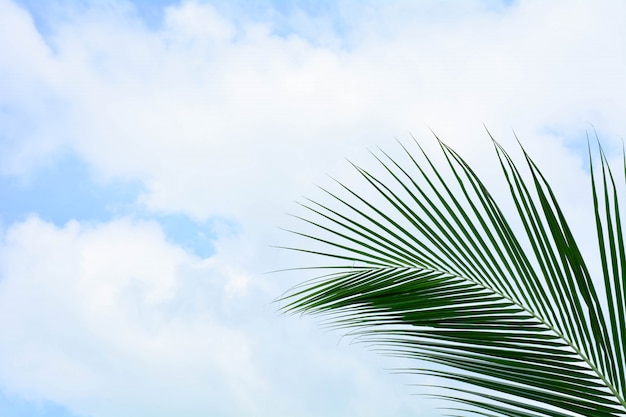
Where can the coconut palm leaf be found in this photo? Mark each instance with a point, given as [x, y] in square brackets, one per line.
[427, 266]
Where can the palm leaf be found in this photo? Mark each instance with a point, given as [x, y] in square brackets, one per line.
[506, 307]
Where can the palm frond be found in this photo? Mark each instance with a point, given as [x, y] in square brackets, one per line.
[432, 269]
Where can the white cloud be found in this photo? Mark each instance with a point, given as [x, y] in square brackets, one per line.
[111, 320]
[111, 308]
[219, 120]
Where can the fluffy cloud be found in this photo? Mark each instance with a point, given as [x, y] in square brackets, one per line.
[111, 320]
[114, 308]
[221, 116]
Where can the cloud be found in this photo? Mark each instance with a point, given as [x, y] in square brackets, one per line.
[214, 113]
[111, 320]
[113, 308]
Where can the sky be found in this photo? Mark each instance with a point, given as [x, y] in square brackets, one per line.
[150, 150]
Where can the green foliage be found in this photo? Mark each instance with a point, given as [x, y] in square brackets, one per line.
[433, 270]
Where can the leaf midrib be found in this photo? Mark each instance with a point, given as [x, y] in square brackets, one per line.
[549, 326]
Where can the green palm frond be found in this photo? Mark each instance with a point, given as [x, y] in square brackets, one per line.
[431, 269]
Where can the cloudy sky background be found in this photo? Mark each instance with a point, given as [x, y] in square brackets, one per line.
[149, 151]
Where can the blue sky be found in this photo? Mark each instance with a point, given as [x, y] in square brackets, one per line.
[15, 406]
[149, 151]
